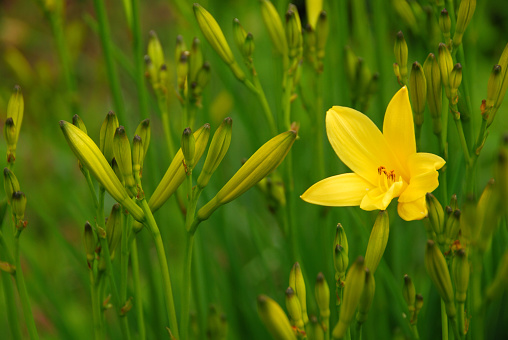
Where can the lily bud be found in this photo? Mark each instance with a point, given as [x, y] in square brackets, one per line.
[90, 242]
[10, 132]
[503, 62]
[418, 306]
[293, 32]
[123, 156]
[155, 51]
[179, 48]
[401, 52]
[114, 228]
[188, 148]
[266, 159]
[355, 283]
[15, 109]
[322, 293]
[455, 80]
[340, 238]
[202, 79]
[137, 155]
[248, 46]
[340, 261]
[143, 131]
[366, 298]
[445, 61]
[274, 319]
[182, 69]
[218, 148]
[274, 25]
[445, 24]
[452, 227]
[409, 294]
[418, 92]
[493, 88]
[175, 175]
[77, 121]
[92, 158]
[317, 329]
[454, 203]
[322, 30]
[460, 272]
[11, 184]
[18, 204]
[436, 216]
[239, 33]
[298, 284]
[377, 241]
[195, 60]
[434, 92]
[437, 269]
[464, 15]
[107, 134]
[294, 308]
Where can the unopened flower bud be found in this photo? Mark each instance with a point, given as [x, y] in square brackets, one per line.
[493, 88]
[409, 294]
[452, 227]
[503, 62]
[107, 134]
[188, 147]
[322, 294]
[297, 282]
[195, 59]
[137, 155]
[10, 132]
[401, 52]
[90, 242]
[366, 298]
[248, 46]
[274, 25]
[436, 217]
[322, 30]
[455, 80]
[18, 204]
[445, 23]
[143, 130]
[340, 238]
[114, 228]
[182, 69]
[293, 32]
[377, 241]
[418, 92]
[464, 15]
[123, 156]
[316, 329]
[445, 62]
[434, 91]
[77, 121]
[15, 109]
[351, 65]
[179, 48]
[294, 308]
[239, 34]
[274, 319]
[11, 184]
[340, 261]
[155, 51]
[460, 273]
[418, 306]
[202, 79]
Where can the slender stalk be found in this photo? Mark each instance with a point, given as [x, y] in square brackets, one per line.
[163, 107]
[96, 308]
[124, 258]
[264, 103]
[455, 329]
[111, 70]
[166, 280]
[137, 290]
[444, 322]
[460, 307]
[184, 325]
[414, 328]
[476, 326]
[320, 119]
[462, 138]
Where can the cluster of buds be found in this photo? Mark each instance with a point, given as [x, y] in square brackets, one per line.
[413, 301]
[496, 88]
[401, 53]
[274, 191]
[314, 41]
[340, 257]
[15, 110]
[16, 198]
[363, 83]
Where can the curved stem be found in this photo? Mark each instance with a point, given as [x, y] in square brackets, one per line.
[184, 325]
[96, 308]
[137, 290]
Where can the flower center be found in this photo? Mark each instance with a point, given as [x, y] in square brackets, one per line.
[386, 177]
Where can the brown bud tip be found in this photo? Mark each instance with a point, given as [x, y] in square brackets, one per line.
[228, 120]
[360, 259]
[137, 138]
[17, 194]
[146, 122]
[441, 45]
[430, 243]
[320, 277]
[428, 195]
[419, 297]
[187, 131]
[148, 61]
[400, 35]
[322, 15]
[120, 130]
[206, 65]
[9, 121]
[290, 291]
[62, 123]
[416, 65]
[407, 279]
[184, 56]
[152, 34]
[6, 171]
[235, 20]
[431, 55]
[444, 12]
[496, 69]
[457, 67]
[457, 213]
[448, 210]
[75, 119]
[164, 67]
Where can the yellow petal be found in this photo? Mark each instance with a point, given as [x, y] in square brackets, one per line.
[338, 191]
[398, 126]
[424, 177]
[422, 162]
[358, 142]
[379, 199]
[415, 210]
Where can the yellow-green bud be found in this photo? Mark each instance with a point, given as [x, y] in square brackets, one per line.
[434, 91]
[293, 32]
[266, 159]
[460, 272]
[340, 238]
[274, 25]
[418, 305]
[322, 30]
[182, 69]
[195, 59]
[107, 134]
[418, 92]
[294, 308]
[143, 130]
[77, 121]
[188, 148]
[322, 293]
[137, 155]
[90, 242]
[445, 23]
[15, 109]
[316, 329]
[239, 33]
[218, 148]
[11, 184]
[464, 15]
[445, 62]
[123, 156]
[340, 261]
[355, 282]
[155, 51]
[409, 294]
[10, 132]
[435, 213]
[297, 282]
[274, 319]
[455, 80]
[437, 269]
[202, 79]
[18, 204]
[366, 298]
[452, 227]
[500, 282]
[503, 62]
[179, 48]
[117, 171]
[175, 175]
[400, 51]
[493, 88]
[248, 46]
[114, 228]
[377, 241]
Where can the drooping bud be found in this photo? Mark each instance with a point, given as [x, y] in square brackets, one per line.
[114, 228]
[437, 269]
[434, 91]
[366, 298]
[107, 134]
[274, 25]
[188, 148]
[455, 80]
[460, 272]
[90, 242]
[195, 60]
[409, 294]
[294, 308]
[11, 184]
[401, 53]
[274, 319]
[143, 130]
[377, 241]
[77, 121]
[464, 15]
[322, 294]
[18, 204]
[216, 152]
[123, 156]
[418, 92]
[298, 284]
[355, 283]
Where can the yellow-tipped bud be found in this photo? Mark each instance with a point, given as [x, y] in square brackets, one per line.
[274, 319]
[401, 53]
[114, 228]
[15, 109]
[455, 80]
[294, 308]
[155, 51]
[137, 155]
[274, 25]
[340, 238]
[92, 158]
[437, 269]
[464, 15]
[452, 227]
[460, 273]
[218, 148]
[418, 92]
[188, 148]
[143, 130]
[10, 132]
[322, 30]
[196, 60]
[355, 282]
[248, 46]
[18, 204]
[266, 159]
[297, 282]
[500, 282]
[377, 241]
[77, 121]
[322, 294]
[293, 32]
[409, 294]
[445, 62]
[11, 184]
[366, 298]
[175, 175]
[239, 33]
[434, 92]
[435, 213]
[107, 134]
[90, 243]
[182, 69]
[123, 156]
[445, 23]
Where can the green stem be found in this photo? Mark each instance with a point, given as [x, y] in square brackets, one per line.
[418, 134]
[455, 328]
[124, 259]
[414, 328]
[137, 290]
[462, 138]
[161, 101]
[184, 325]
[476, 325]
[111, 70]
[460, 307]
[444, 321]
[166, 280]
[264, 103]
[320, 119]
[96, 308]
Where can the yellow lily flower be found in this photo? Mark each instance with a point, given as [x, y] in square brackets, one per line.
[385, 164]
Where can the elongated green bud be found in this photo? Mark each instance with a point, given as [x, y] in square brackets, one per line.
[316, 329]
[274, 26]
[107, 134]
[179, 48]
[11, 184]
[195, 60]
[77, 121]
[445, 24]
[15, 109]
[182, 69]
[188, 148]
[218, 148]
[92, 158]
[266, 159]
[90, 242]
[123, 156]
[418, 92]
[114, 228]
[340, 261]
[155, 51]
[401, 52]
[434, 92]
[340, 238]
[455, 80]
[460, 273]
[137, 155]
[500, 282]
[493, 88]
[437, 269]
[322, 30]
[202, 79]
[418, 306]
[355, 282]
[248, 46]
[436, 217]
[10, 132]
[366, 298]
[175, 175]
[464, 15]
[322, 293]
[294, 308]
[293, 32]
[377, 241]
[297, 282]
[274, 319]
[409, 294]
[18, 204]
[452, 227]
[445, 62]
[143, 130]
[503, 62]
[239, 33]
